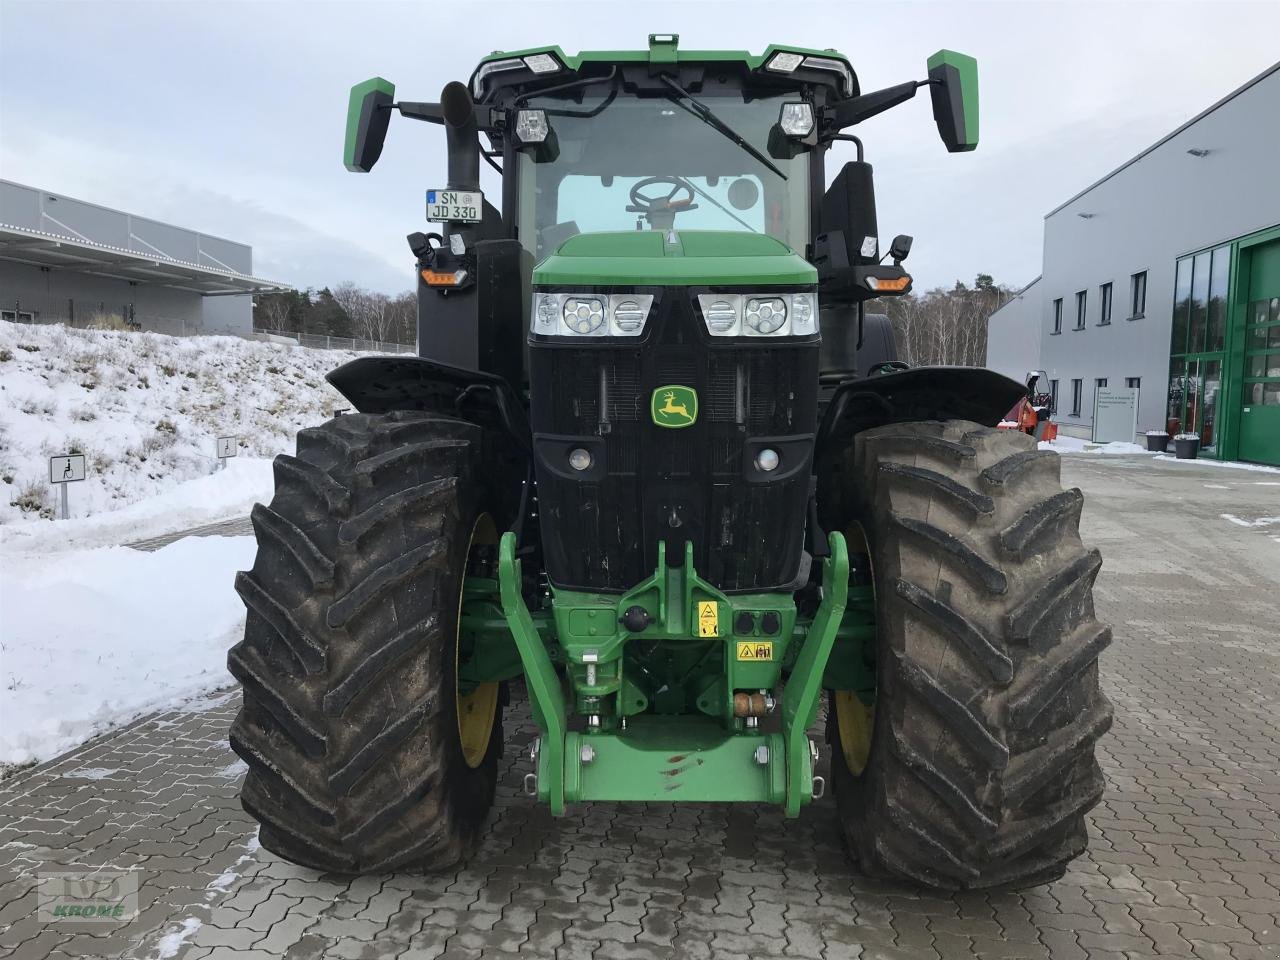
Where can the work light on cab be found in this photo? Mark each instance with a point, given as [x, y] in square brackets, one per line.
[531, 126]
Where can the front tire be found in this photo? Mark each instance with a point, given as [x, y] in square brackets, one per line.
[362, 755]
[975, 766]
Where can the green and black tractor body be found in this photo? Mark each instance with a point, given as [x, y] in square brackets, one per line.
[657, 462]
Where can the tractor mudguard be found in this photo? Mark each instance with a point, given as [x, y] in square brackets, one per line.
[921, 393]
[383, 384]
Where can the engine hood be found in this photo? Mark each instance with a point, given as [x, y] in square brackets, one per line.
[673, 258]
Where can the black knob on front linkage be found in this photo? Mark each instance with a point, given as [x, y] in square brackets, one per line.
[635, 619]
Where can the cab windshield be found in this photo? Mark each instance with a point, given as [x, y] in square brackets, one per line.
[649, 163]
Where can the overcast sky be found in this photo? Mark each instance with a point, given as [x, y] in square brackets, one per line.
[227, 117]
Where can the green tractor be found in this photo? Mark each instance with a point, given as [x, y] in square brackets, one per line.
[657, 461]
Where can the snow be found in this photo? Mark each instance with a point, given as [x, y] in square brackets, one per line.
[227, 493]
[90, 773]
[174, 941]
[1241, 522]
[145, 410]
[1230, 464]
[94, 638]
[222, 883]
[1065, 444]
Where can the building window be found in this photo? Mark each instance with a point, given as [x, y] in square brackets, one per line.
[1198, 335]
[1105, 293]
[1137, 295]
[1057, 315]
[1053, 396]
[1100, 382]
[19, 316]
[1081, 308]
[1077, 394]
[1134, 383]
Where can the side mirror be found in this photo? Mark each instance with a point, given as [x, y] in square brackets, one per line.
[368, 114]
[953, 85]
[900, 247]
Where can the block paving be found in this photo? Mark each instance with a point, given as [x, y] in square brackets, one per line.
[1184, 859]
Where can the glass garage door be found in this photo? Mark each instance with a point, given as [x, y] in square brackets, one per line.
[1260, 410]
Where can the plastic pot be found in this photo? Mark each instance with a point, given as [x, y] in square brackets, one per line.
[1157, 442]
[1187, 449]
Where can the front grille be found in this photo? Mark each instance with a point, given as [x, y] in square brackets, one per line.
[673, 485]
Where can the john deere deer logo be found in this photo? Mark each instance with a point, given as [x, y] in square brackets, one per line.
[674, 406]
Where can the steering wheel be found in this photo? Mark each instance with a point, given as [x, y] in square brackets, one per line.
[640, 203]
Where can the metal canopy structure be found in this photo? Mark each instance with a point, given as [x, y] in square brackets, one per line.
[59, 252]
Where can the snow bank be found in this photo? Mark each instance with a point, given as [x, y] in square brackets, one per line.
[227, 493]
[90, 639]
[145, 410]
[1065, 444]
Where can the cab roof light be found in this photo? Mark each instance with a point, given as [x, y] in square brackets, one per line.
[786, 61]
[543, 63]
[493, 66]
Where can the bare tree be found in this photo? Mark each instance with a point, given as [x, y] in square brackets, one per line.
[946, 327]
[369, 312]
[275, 311]
[347, 295]
[403, 314]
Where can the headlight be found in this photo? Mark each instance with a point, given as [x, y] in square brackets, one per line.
[780, 315]
[583, 315]
[721, 315]
[628, 316]
[766, 315]
[804, 317]
[590, 314]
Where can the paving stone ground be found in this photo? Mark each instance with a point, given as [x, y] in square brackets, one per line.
[1184, 861]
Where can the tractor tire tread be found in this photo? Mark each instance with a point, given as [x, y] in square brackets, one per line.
[348, 726]
[988, 709]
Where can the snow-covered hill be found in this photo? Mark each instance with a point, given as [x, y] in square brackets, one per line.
[145, 409]
[93, 634]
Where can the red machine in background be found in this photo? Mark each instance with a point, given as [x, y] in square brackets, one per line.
[1033, 413]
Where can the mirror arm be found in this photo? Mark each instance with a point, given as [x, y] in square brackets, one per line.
[846, 113]
[418, 110]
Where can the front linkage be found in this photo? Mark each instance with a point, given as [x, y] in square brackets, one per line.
[635, 662]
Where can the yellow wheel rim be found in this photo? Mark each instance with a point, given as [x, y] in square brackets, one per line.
[855, 720]
[478, 709]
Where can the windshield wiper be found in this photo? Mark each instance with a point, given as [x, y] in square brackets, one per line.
[707, 196]
[703, 113]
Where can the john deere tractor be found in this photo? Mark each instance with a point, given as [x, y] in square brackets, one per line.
[657, 465]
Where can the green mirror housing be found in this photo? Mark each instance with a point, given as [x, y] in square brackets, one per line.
[368, 113]
[953, 84]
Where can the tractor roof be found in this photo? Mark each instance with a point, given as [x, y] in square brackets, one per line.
[664, 49]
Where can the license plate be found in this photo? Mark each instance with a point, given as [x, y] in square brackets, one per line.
[465, 206]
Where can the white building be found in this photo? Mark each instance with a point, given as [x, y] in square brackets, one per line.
[66, 260]
[1165, 275]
